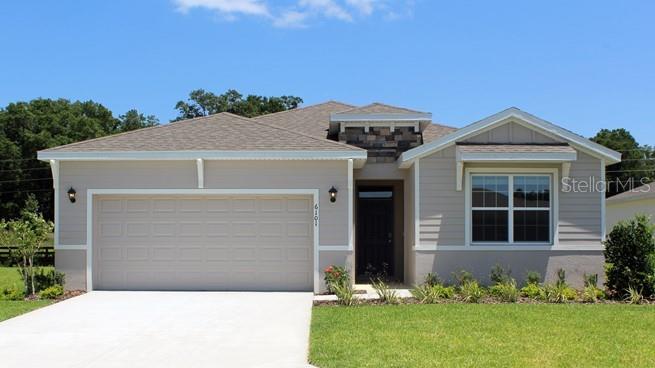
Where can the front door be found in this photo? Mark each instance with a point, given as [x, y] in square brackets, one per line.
[375, 233]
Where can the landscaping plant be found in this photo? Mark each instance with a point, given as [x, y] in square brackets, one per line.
[26, 235]
[462, 277]
[533, 277]
[532, 291]
[431, 279]
[386, 294]
[630, 257]
[471, 292]
[51, 292]
[634, 296]
[499, 275]
[506, 291]
[12, 293]
[430, 294]
[345, 294]
[335, 276]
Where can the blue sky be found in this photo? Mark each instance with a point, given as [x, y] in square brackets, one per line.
[584, 65]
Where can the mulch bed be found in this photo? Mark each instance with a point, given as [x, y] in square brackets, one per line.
[485, 300]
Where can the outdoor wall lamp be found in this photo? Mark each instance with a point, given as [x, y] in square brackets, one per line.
[333, 194]
[71, 195]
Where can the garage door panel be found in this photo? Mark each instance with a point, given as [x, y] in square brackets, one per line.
[203, 243]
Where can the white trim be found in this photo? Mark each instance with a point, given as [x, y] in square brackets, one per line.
[335, 248]
[417, 203]
[200, 168]
[603, 203]
[512, 114]
[54, 166]
[511, 173]
[70, 247]
[566, 169]
[482, 248]
[92, 192]
[345, 117]
[351, 240]
[206, 155]
[459, 172]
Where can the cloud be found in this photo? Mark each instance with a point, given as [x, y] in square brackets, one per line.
[226, 7]
[301, 13]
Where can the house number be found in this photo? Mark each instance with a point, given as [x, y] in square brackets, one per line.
[316, 215]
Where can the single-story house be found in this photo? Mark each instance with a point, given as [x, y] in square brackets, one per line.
[627, 205]
[224, 202]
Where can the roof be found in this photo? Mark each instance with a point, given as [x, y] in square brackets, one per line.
[516, 148]
[218, 132]
[312, 120]
[434, 131]
[380, 108]
[639, 193]
[595, 149]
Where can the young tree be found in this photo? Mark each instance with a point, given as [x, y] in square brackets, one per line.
[24, 238]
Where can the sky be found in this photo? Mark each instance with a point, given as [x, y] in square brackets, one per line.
[584, 65]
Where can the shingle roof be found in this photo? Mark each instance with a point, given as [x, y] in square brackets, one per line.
[219, 132]
[435, 131]
[641, 192]
[312, 120]
[516, 148]
[380, 108]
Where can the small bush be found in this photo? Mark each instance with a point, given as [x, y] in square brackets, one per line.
[427, 294]
[561, 277]
[386, 294]
[533, 277]
[634, 296]
[559, 293]
[592, 294]
[471, 292]
[335, 275]
[51, 292]
[431, 279]
[590, 280]
[12, 293]
[463, 277]
[499, 275]
[532, 291]
[630, 257]
[345, 294]
[506, 291]
[444, 292]
[46, 278]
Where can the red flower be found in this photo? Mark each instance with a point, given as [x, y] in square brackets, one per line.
[329, 269]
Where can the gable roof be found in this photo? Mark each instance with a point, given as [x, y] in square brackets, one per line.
[312, 120]
[500, 118]
[434, 131]
[380, 108]
[639, 193]
[223, 132]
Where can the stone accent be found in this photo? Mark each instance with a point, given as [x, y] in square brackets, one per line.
[382, 144]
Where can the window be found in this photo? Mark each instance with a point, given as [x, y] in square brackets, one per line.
[510, 208]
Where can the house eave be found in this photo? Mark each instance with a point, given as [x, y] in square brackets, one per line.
[340, 117]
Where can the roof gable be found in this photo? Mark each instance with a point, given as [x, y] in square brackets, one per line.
[312, 120]
[514, 115]
[380, 108]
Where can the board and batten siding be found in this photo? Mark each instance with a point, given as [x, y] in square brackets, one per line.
[319, 175]
[510, 133]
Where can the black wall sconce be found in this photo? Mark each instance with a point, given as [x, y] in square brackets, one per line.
[333, 194]
[71, 195]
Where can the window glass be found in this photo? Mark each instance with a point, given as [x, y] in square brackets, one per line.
[531, 226]
[490, 226]
[490, 191]
[532, 191]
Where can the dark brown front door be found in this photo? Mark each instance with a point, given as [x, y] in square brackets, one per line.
[375, 232]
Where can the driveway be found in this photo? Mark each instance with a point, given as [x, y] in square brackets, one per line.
[162, 329]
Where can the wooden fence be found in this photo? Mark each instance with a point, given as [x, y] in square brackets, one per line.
[44, 257]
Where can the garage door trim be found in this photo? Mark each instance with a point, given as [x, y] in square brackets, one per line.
[92, 192]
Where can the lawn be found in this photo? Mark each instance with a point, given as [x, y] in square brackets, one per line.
[468, 335]
[10, 277]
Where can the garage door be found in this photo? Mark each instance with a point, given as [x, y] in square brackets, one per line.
[203, 243]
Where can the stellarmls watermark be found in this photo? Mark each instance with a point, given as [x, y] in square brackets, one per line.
[593, 184]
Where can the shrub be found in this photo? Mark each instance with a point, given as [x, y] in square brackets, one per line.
[46, 278]
[12, 293]
[345, 294]
[506, 291]
[335, 275]
[427, 294]
[561, 277]
[590, 280]
[462, 277]
[533, 277]
[634, 296]
[386, 294]
[630, 257]
[532, 291]
[499, 275]
[558, 293]
[592, 294]
[431, 279]
[52, 292]
[471, 292]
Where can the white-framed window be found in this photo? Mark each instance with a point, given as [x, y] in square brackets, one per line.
[511, 208]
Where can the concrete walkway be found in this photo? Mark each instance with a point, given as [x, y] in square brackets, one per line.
[162, 329]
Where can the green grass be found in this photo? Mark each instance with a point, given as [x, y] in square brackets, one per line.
[463, 335]
[8, 309]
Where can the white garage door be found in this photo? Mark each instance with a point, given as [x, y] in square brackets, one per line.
[203, 243]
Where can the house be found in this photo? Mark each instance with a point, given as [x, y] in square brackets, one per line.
[627, 205]
[229, 203]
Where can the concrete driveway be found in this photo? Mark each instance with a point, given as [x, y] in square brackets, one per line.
[162, 329]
